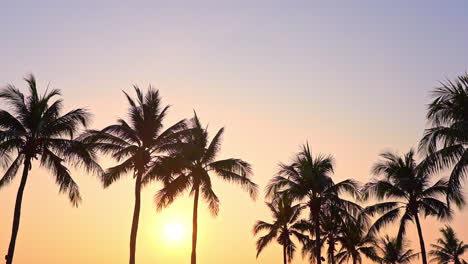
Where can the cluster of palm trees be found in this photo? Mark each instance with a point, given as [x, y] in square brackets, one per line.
[33, 130]
[308, 206]
[329, 219]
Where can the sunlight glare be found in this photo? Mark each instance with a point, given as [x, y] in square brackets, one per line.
[174, 231]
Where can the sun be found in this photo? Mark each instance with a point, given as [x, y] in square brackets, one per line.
[174, 231]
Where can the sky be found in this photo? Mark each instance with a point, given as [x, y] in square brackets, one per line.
[350, 77]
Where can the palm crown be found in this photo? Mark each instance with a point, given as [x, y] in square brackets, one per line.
[408, 183]
[191, 165]
[391, 251]
[446, 141]
[36, 129]
[309, 178]
[448, 249]
[355, 242]
[140, 143]
[193, 162]
[284, 227]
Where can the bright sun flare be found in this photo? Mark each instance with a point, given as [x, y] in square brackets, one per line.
[174, 231]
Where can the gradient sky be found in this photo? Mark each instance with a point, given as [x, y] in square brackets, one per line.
[351, 77]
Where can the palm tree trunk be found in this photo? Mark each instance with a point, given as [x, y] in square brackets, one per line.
[331, 249]
[195, 225]
[421, 239]
[316, 218]
[17, 213]
[285, 260]
[136, 218]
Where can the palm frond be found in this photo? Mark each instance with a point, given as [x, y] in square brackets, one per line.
[11, 171]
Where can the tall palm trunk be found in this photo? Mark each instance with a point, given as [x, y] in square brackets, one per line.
[331, 248]
[315, 208]
[421, 239]
[17, 214]
[195, 225]
[136, 218]
[285, 260]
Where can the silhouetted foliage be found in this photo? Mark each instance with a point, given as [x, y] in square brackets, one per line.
[34, 128]
[391, 251]
[448, 249]
[194, 161]
[445, 142]
[284, 227]
[308, 178]
[408, 185]
[137, 145]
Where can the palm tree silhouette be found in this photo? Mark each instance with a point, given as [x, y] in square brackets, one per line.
[36, 129]
[391, 251]
[285, 223]
[354, 243]
[445, 142]
[309, 178]
[448, 249]
[334, 222]
[194, 161]
[138, 146]
[409, 184]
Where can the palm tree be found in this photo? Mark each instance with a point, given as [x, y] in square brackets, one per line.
[355, 243]
[335, 222]
[283, 228]
[391, 251]
[308, 178]
[409, 184]
[446, 141]
[448, 249]
[36, 129]
[195, 160]
[137, 145]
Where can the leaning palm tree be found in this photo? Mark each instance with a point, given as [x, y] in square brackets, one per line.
[408, 184]
[34, 128]
[194, 161]
[283, 228]
[391, 251]
[446, 141]
[448, 249]
[138, 145]
[308, 178]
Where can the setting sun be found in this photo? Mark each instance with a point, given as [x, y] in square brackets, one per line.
[174, 231]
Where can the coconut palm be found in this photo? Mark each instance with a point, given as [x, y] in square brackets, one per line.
[34, 128]
[408, 185]
[196, 160]
[308, 178]
[446, 141]
[448, 249]
[331, 223]
[137, 145]
[355, 242]
[391, 251]
[283, 228]
[335, 221]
